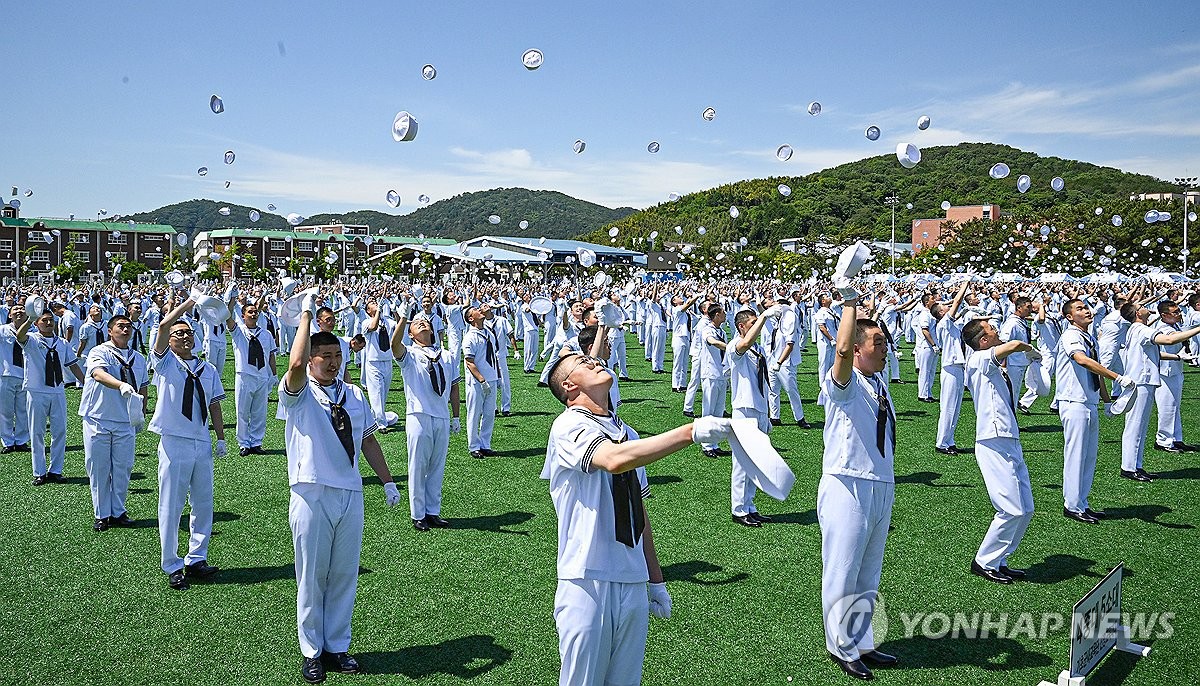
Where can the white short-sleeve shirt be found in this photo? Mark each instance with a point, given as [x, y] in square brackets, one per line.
[850, 435]
[315, 454]
[101, 402]
[749, 379]
[993, 398]
[35, 350]
[170, 379]
[419, 367]
[1073, 382]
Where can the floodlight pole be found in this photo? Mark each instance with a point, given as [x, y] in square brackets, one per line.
[891, 201]
[1187, 183]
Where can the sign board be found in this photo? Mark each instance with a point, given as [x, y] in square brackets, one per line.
[1096, 623]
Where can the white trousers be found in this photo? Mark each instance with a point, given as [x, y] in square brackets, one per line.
[1016, 376]
[428, 444]
[327, 531]
[602, 628]
[712, 401]
[953, 381]
[505, 384]
[656, 347]
[185, 474]
[693, 385]
[377, 378]
[617, 355]
[742, 489]
[14, 411]
[1081, 441]
[41, 408]
[854, 515]
[214, 352]
[1137, 421]
[251, 393]
[825, 356]
[530, 341]
[108, 456]
[893, 366]
[481, 414]
[1007, 479]
[784, 381]
[681, 347]
[926, 361]
[1166, 397]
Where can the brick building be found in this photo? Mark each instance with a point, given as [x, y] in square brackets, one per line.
[99, 244]
[927, 233]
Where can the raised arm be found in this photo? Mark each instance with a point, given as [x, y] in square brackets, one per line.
[843, 361]
[169, 319]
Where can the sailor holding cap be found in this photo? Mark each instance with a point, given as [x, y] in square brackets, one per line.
[329, 424]
[47, 357]
[115, 371]
[1168, 396]
[482, 362]
[854, 499]
[606, 552]
[14, 410]
[254, 374]
[949, 337]
[750, 380]
[189, 395]
[377, 360]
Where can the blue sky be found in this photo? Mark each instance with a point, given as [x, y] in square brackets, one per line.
[106, 104]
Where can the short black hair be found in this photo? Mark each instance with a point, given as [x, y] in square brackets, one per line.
[1022, 302]
[743, 316]
[117, 318]
[972, 331]
[712, 310]
[1066, 307]
[1128, 311]
[861, 327]
[587, 336]
[323, 338]
[1165, 306]
[320, 311]
[558, 374]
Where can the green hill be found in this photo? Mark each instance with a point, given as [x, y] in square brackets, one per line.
[846, 201]
[549, 213]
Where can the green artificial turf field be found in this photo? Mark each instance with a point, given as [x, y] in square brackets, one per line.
[473, 603]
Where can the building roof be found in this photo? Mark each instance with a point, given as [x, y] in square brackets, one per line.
[279, 234]
[556, 245]
[77, 225]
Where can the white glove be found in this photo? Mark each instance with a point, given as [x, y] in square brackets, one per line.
[221, 450]
[660, 601]
[196, 294]
[486, 387]
[773, 364]
[1186, 356]
[774, 312]
[845, 289]
[308, 304]
[392, 493]
[711, 429]
[1125, 381]
[516, 354]
[127, 390]
[455, 425]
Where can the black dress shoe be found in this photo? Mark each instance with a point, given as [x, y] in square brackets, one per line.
[624, 378]
[257, 450]
[477, 454]
[341, 663]
[689, 414]
[8, 449]
[803, 424]
[711, 453]
[488, 452]
[23, 448]
[56, 477]
[854, 668]
[1167, 448]
[1014, 574]
[420, 525]
[1146, 474]
[1098, 514]
[506, 413]
[878, 659]
[436, 522]
[776, 422]
[1186, 447]
[543, 384]
[121, 520]
[243, 451]
[1080, 516]
[993, 575]
[747, 520]
[1023, 410]
[312, 670]
[177, 580]
[1136, 476]
[760, 518]
[201, 570]
[1054, 410]
[40, 480]
[947, 451]
[100, 525]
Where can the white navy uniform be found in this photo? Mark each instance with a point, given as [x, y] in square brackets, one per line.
[948, 334]
[681, 345]
[500, 331]
[854, 504]
[46, 398]
[529, 337]
[1114, 333]
[1142, 362]
[14, 410]
[693, 385]
[377, 367]
[185, 457]
[600, 607]
[1016, 329]
[788, 330]
[1001, 460]
[923, 353]
[478, 346]
[713, 385]
[1077, 392]
[428, 377]
[91, 334]
[1047, 344]
[254, 376]
[750, 382]
[326, 508]
[1169, 394]
[108, 436]
[68, 321]
[825, 346]
[214, 344]
[656, 338]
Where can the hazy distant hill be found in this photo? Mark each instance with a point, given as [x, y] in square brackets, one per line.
[549, 213]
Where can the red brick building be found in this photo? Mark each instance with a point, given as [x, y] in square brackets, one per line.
[927, 233]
